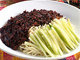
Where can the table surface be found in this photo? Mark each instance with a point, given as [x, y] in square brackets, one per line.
[5, 56]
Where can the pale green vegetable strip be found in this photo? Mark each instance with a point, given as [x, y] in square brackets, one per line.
[60, 51]
[60, 42]
[63, 35]
[33, 38]
[54, 39]
[63, 25]
[73, 33]
[50, 38]
[42, 50]
[44, 46]
[77, 38]
[58, 22]
[53, 46]
[68, 46]
[69, 24]
[43, 38]
[69, 32]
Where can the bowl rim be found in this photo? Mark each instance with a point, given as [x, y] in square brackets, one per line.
[32, 57]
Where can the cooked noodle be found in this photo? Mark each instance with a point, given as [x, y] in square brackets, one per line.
[31, 49]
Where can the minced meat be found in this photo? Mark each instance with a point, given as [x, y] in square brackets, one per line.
[15, 32]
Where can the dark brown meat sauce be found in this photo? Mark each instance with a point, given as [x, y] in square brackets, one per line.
[15, 32]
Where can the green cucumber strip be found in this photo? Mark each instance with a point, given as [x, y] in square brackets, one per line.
[63, 35]
[55, 41]
[53, 46]
[43, 45]
[68, 46]
[39, 47]
[33, 38]
[59, 39]
[69, 34]
[73, 33]
[44, 40]
[69, 24]
[60, 42]
[77, 38]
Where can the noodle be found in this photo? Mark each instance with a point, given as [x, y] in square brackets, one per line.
[30, 49]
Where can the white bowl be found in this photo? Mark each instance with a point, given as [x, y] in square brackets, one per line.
[65, 9]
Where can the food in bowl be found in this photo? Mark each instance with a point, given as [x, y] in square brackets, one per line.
[40, 33]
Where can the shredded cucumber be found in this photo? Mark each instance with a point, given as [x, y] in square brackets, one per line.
[56, 38]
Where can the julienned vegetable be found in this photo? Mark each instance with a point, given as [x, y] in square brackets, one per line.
[56, 38]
